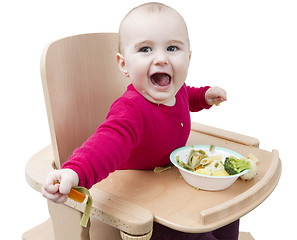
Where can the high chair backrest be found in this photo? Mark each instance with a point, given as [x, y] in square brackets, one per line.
[80, 79]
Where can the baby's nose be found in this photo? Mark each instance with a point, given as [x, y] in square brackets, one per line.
[160, 59]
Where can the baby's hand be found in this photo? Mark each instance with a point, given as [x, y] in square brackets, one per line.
[58, 192]
[215, 95]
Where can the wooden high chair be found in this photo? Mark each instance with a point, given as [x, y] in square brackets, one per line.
[81, 80]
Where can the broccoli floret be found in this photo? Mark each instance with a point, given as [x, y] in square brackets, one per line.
[234, 165]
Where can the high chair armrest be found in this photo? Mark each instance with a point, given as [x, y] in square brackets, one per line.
[249, 199]
[38, 167]
[108, 208]
[222, 134]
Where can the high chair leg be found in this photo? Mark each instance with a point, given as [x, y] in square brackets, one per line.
[66, 223]
[245, 236]
[43, 231]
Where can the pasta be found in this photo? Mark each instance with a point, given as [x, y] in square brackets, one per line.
[208, 160]
[199, 162]
[203, 171]
[213, 168]
[221, 172]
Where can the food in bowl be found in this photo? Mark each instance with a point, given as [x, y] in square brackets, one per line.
[199, 162]
[209, 168]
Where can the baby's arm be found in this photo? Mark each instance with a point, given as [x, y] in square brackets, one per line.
[215, 95]
[58, 192]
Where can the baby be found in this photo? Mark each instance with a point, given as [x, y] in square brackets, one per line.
[152, 117]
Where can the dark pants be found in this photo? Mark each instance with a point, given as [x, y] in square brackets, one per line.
[228, 232]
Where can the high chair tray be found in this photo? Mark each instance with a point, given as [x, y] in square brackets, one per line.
[179, 206]
[130, 199]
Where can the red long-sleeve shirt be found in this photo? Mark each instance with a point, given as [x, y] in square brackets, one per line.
[137, 134]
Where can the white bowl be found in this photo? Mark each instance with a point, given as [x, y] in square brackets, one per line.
[205, 182]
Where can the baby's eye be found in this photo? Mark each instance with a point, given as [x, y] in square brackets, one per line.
[172, 48]
[145, 49]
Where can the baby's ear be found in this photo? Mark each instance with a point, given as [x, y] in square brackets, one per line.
[122, 64]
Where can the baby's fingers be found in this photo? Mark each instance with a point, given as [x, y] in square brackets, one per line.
[50, 185]
[50, 188]
[215, 95]
[55, 197]
[220, 94]
[219, 100]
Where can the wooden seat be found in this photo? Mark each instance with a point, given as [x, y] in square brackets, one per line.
[81, 80]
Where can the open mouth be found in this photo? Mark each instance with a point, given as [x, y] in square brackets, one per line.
[161, 79]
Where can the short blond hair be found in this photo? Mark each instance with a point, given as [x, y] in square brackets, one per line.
[152, 7]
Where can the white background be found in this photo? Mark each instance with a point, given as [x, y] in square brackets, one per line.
[247, 47]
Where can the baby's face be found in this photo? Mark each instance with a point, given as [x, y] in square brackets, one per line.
[155, 54]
